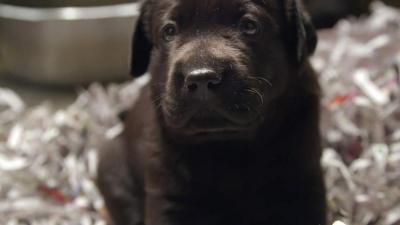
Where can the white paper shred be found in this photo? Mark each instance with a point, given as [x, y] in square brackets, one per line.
[48, 159]
[358, 63]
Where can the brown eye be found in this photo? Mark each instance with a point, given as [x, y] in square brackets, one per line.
[169, 32]
[249, 27]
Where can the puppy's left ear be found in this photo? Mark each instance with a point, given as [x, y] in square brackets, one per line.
[301, 35]
[141, 44]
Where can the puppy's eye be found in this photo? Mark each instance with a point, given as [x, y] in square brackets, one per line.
[169, 32]
[249, 27]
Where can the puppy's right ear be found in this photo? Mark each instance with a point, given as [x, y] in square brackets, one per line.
[301, 33]
[141, 45]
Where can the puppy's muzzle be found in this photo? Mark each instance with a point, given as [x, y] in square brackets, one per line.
[201, 83]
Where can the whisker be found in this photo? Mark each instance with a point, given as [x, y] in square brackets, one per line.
[265, 80]
[156, 98]
[257, 93]
[157, 102]
[247, 107]
[260, 79]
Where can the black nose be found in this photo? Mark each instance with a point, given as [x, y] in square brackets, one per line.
[201, 82]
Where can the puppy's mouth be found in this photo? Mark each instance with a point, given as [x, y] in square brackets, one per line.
[212, 121]
[206, 121]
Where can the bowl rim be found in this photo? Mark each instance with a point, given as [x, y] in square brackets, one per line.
[31, 14]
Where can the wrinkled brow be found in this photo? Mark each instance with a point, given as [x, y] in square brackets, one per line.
[260, 9]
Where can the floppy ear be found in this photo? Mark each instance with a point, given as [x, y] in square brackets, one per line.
[141, 46]
[301, 35]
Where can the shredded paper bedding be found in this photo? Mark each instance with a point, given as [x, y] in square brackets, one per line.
[48, 157]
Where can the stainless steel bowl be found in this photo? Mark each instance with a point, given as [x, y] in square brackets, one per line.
[67, 45]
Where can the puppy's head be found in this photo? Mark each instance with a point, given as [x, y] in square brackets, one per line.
[216, 65]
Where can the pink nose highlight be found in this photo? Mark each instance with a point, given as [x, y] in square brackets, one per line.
[200, 82]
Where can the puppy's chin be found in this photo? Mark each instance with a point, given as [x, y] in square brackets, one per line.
[208, 124]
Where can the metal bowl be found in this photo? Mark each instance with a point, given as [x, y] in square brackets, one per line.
[64, 3]
[67, 45]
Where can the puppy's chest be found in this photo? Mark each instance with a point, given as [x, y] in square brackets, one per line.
[234, 181]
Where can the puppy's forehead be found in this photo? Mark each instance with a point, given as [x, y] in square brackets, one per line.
[210, 6]
[208, 9]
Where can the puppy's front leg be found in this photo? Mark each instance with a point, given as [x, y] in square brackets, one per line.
[163, 211]
[303, 205]
[122, 192]
[170, 198]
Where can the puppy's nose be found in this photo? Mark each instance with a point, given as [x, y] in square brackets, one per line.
[201, 82]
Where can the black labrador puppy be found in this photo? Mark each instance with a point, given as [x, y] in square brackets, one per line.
[227, 130]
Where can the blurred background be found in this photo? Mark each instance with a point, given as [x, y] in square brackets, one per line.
[64, 79]
[50, 47]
